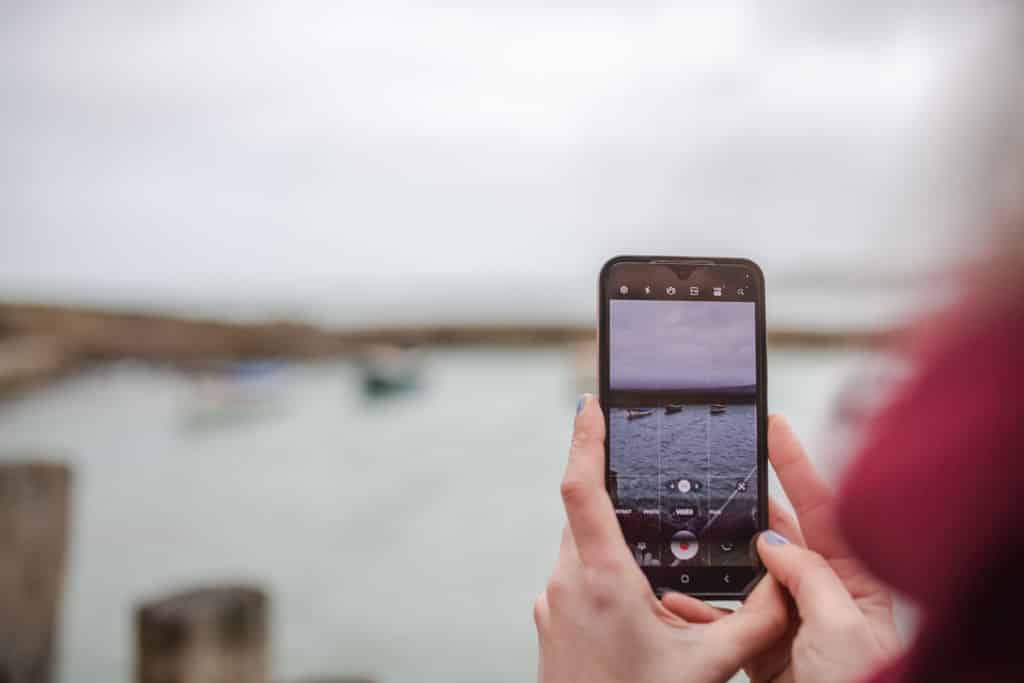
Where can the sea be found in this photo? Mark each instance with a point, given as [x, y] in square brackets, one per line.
[403, 538]
[695, 468]
[693, 441]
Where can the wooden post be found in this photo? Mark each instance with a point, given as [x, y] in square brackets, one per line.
[34, 512]
[208, 635]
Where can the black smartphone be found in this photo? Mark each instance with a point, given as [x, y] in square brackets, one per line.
[682, 374]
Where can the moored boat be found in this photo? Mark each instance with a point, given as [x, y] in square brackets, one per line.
[634, 414]
[232, 393]
[389, 370]
[673, 408]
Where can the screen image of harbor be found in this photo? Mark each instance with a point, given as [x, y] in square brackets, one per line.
[683, 430]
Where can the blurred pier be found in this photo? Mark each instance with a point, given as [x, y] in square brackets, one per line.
[28, 360]
[35, 521]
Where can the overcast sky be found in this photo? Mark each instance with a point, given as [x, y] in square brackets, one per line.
[381, 160]
[678, 345]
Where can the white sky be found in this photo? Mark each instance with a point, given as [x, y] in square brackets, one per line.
[383, 161]
[680, 345]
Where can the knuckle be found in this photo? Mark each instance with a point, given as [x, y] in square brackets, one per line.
[540, 612]
[777, 621]
[603, 590]
[574, 491]
[557, 591]
[583, 438]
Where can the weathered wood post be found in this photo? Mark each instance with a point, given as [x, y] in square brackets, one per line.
[34, 513]
[208, 635]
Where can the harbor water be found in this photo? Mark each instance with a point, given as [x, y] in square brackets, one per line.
[403, 538]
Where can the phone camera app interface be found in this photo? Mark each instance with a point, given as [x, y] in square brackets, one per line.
[683, 422]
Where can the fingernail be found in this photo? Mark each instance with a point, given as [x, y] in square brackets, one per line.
[580, 403]
[774, 538]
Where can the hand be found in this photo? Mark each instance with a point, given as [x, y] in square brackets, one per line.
[843, 627]
[598, 621]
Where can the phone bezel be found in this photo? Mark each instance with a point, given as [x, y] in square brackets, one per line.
[761, 396]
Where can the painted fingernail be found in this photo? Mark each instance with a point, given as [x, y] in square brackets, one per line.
[580, 403]
[773, 538]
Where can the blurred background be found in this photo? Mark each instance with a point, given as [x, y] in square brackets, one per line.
[296, 298]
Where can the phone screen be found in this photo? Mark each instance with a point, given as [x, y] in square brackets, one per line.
[683, 394]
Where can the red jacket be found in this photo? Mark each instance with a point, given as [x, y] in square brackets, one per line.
[933, 503]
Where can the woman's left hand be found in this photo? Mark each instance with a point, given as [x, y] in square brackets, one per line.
[599, 621]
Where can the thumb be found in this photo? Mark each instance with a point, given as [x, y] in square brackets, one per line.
[760, 623]
[817, 591]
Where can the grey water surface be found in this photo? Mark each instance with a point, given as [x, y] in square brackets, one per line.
[404, 538]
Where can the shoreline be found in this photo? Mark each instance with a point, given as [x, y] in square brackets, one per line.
[42, 342]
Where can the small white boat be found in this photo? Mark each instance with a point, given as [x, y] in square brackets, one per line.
[232, 393]
[635, 414]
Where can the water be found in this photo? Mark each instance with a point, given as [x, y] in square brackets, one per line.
[690, 472]
[692, 442]
[405, 538]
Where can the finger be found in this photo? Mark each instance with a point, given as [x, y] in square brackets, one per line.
[699, 612]
[756, 626]
[691, 609]
[565, 581]
[770, 595]
[767, 594]
[819, 594]
[814, 503]
[568, 555]
[811, 496]
[783, 521]
[595, 529]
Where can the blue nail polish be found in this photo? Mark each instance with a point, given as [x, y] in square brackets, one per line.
[773, 538]
[580, 403]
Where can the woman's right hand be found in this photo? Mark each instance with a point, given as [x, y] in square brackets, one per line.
[843, 626]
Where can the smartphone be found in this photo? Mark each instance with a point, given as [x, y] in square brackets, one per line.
[682, 375]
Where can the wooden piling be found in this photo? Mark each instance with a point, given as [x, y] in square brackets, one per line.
[207, 635]
[34, 517]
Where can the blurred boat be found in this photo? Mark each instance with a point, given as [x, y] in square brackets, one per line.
[389, 370]
[233, 393]
[717, 408]
[634, 414]
[673, 408]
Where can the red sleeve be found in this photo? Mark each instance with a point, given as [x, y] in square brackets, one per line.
[931, 503]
